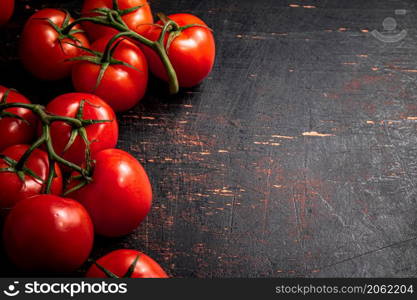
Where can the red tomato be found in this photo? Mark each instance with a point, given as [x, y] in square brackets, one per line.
[13, 130]
[122, 87]
[120, 194]
[101, 135]
[43, 52]
[192, 52]
[137, 20]
[48, 233]
[119, 261]
[13, 189]
[6, 10]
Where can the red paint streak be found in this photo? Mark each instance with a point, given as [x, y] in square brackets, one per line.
[357, 83]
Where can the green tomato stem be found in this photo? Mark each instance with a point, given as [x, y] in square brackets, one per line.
[45, 139]
[20, 164]
[114, 20]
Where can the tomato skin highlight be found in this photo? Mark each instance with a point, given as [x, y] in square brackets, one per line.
[122, 87]
[101, 135]
[41, 51]
[119, 196]
[192, 53]
[13, 190]
[119, 261]
[6, 11]
[137, 20]
[12, 130]
[48, 233]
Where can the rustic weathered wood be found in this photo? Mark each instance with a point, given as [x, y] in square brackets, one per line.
[296, 157]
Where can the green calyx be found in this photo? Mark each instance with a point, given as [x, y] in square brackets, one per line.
[173, 29]
[7, 114]
[66, 31]
[104, 59]
[79, 130]
[109, 16]
[128, 273]
[21, 172]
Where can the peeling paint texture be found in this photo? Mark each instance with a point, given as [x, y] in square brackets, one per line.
[297, 156]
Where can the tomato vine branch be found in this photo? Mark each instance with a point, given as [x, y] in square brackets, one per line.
[78, 124]
[112, 18]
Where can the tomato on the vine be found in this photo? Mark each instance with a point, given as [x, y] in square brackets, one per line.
[6, 10]
[48, 233]
[119, 196]
[100, 135]
[190, 49]
[119, 261]
[123, 84]
[35, 172]
[44, 46]
[18, 125]
[139, 20]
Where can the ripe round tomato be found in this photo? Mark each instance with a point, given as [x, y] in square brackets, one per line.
[6, 10]
[120, 194]
[192, 52]
[122, 87]
[119, 261]
[48, 233]
[13, 189]
[101, 135]
[138, 20]
[43, 52]
[14, 130]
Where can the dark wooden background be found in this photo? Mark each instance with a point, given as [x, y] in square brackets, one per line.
[296, 157]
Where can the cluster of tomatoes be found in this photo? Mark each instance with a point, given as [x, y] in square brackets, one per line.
[61, 178]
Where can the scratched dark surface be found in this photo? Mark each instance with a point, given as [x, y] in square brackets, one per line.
[296, 157]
